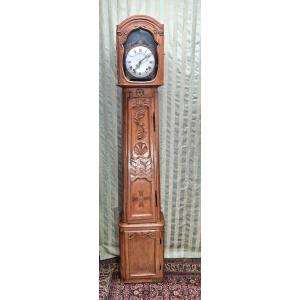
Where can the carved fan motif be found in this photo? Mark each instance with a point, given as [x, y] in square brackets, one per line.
[140, 148]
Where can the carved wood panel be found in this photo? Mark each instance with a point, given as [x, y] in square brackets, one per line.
[141, 150]
[140, 160]
[143, 252]
[142, 249]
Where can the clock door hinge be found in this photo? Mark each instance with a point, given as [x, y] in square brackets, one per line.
[160, 240]
[153, 121]
[155, 198]
[159, 267]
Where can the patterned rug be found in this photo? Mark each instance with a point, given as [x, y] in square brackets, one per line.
[181, 281]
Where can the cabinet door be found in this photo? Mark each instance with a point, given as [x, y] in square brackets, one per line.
[141, 193]
[144, 255]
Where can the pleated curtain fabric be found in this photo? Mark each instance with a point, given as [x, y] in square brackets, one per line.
[179, 104]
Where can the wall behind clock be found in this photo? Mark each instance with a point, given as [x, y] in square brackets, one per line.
[179, 102]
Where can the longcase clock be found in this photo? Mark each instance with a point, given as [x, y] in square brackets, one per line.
[140, 52]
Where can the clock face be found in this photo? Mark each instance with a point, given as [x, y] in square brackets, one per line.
[140, 62]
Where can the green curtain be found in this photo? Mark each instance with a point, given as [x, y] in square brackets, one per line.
[179, 104]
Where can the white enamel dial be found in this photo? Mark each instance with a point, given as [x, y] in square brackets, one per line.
[140, 62]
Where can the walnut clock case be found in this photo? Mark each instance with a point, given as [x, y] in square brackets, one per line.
[140, 52]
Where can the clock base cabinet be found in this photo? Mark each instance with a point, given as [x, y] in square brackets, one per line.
[141, 247]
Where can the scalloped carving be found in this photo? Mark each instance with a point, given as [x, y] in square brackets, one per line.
[140, 148]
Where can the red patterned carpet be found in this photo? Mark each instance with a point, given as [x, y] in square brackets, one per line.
[181, 281]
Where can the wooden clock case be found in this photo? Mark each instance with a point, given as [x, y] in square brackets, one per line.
[141, 226]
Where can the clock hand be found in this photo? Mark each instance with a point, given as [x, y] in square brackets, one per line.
[140, 62]
[148, 55]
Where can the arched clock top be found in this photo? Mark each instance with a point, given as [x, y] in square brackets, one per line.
[140, 21]
[156, 30]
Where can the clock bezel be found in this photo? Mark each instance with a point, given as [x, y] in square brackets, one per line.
[157, 30]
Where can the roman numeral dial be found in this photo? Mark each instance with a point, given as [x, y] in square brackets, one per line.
[140, 62]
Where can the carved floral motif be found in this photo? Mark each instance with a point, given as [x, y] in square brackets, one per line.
[140, 129]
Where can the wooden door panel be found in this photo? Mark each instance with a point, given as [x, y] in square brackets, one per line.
[144, 254]
[141, 182]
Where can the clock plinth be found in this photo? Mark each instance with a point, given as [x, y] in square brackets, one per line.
[141, 251]
[141, 226]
